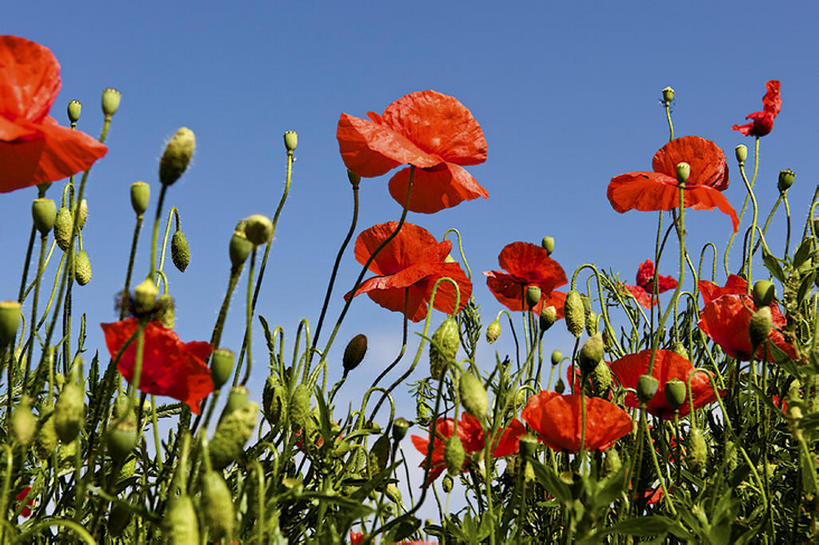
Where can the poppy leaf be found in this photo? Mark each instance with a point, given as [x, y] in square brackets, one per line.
[552, 483]
[803, 252]
[772, 264]
[651, 525]
[805, 286]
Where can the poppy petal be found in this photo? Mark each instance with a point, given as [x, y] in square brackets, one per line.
[30, 79]
[532, 262]
[706, 159]
[642, 297]
[772, 102]
[736, 285]
[412, 244]
[434, 189]
[509, 442]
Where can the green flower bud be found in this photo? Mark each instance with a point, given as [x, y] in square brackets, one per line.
[612, 462]
[668, 95]
[217, 503]
[63, 228]
[528, 445]
[354, 178]
[560, 386]
[683, 171]
[400, 426]
[231, 435]
[548, 244]
[122, 410]
[300, 406]
[447, 483]
[82, 268]
[493, 331]
[392, 492]
[354, 352]
[760, 326]
[165, 311]
[121, 440]
[444, 347]
[44, 213]
[764, 293]
[274, 399]
[601, 378]
[647, 387]
[548, 317]
[240, 247]
[473, 395]
[575, 313]
[258, 229]
[140, 195]
[177, 155]
[532, 296]
[786, 179]
[180, 251]
[221, 366]
[697, 451]
[145, 296]
[238, 397]
[69, 412]
[74, 110]
[454, 455]
[680, 350]
[110, 101]
[291, 140]
[118, 519]
[591, 353]
[180, 524]
[82, 214]
[379, 456]
[421, 411]
[46, 440]
[675, 393]
[9, 321]
[591, 322]
[23, 422]
[557, 355]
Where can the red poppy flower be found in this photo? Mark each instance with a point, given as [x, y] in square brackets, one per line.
[527, 265]
[471, 435]
[726, 320]
[25, 512]
[429, 130]
[667, 365]
[557, 420]
[412, 262]
[736, 285]
[645, 284]
[762, 122]
[659, 190]
[169, 366]
[34, 149]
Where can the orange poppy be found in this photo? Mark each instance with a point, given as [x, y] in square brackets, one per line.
[527, 265]
[659, 190]
[762, 122]
[169, 366]
[408, 267]
[736, 285]
[667, 365]
[34, 149]
[557, 420]
[426, 129]
[645, 284]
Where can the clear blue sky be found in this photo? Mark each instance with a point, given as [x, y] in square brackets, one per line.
[567, 95]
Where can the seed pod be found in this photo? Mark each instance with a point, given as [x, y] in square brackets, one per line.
[760, 326]
[300, 406]
[23, 422]
[69, 412]
[82, 268]
[591, 353]
[454, 455]
[118, 520]
[258, 229]
[177, 155]
[533, 294]
[683, 171]
[274, 399]
[217, 503]
[180, 524]
[63, 228]
[379, 455]
[697, 451]
[237, 398]
[145, 296]
[44, 213]
[74, 110]
[9, 321]
[548, 244]
[786, 179]
[231, 435]
[447, 483]
[675, 393]
[612, 462]
[291, 140]
[764, 293]
[575, 313]
[443, 348]
[354, 352]
[557, 355]
[668, 95]
[221, 366]
[400, 426]
[82, 214]
[601, 378]
[741, 153]
[647, 387]
[110, 101]
[165, 311]
[473, 395]
[121, 440]
[493, 331]
[180, 252]
[548, 317]
[140, 195]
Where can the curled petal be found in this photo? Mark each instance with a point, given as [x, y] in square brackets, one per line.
[30, 79]
[412, 244]
[736, 285]
[434, 189]
[706, 159]
[531, 263]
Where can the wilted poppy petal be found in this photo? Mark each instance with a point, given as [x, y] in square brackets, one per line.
[772, 102]
[706, 159]
[30, 79]
[434, 189]
[762, 122]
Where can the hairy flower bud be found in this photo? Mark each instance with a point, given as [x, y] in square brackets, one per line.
[69, 412]
[612, 462]
[221, 366]
[675, 393]
[601, 378]
[165, 311]
[454, 455]
[274, 399]
[591, 353]
[696, 451]
[258, 229]
[548, 244]
[547, 318]
[63, 228]
[82, 268]
[647, 387]
[44, 213]
[145, 296]
[121, 440]
[82, 214]
[291, 140]
[180, 251]
[680, 350]
[9, 321]
[140, 195]
[786, 179]
[760, 326]
[575, 313]
[473, 395]
[177, 155]
[180, 524]
[23, 422]
[217, 503]
[764, 293]
[354, 352]
[238, 397]
[110, 101]
[300, 406]
[493, 331]
[444, 347]
[741, 152]
[74, 110]
[231, 435]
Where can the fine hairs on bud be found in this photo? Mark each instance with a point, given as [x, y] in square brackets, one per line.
[177, 156]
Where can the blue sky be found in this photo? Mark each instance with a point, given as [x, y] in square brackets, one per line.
[567, 95]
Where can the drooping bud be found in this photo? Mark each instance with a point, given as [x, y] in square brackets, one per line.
[647, 387]
[400, 426]
[180, 524]
[291, 140]
[110, 101]
[741, 152]
[601, 378]
[764, 293]
[548, 317]
[46, 440]
[574, 312]
[354, 178]
[180, 251]
[786, 179]
[683, 171]
[557, 355]
[145, 296]
[44, 213]
[493, 331]
[447, 483]
[238, 397]
[528, 445]
[591, 322]
[444, 347]
[177, 155]
[591, 353]
[274, 400]
[63, 228]
[9, 321]
[612, 463]
[354, 352]
[140, 195]
[240, 247]
[668, 95]
[379, 455]
[82, 214]
[760, 326]
[217, 504]
[532, 296]
[548, 244]
[121, 440]
[221, 366]
[300, 406]
[82, 268]
[165, 311]
[454, 455]
[560, 386]
[258, 229]
[473, 395]
[696, 451]
[69, 412]
[675, 393]
[23, 422]
[74, 110]
[231, 435]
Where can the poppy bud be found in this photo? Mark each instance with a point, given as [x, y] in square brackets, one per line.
[9, 321]
[238, 397]
[528, 445]
[532, 296]
[23, 422]
[612, 462]
[741, 152]
[180, 524]
[444, 347]
[454, 455]
[421, 411]
[675, 393]
[177, 155]
[668, 95]
[760, 326]
[121, 408]
[145, 296]
[680, 350]
[447, 483]
[274, 399]
[392, 492]
[548, 244]
[110, 101]
[647, 386]
[121, 440]
[82, 268]
[63, 228]
[300, 406]
[231, 435]
[140, 195]
[601, 378]
[354, 352]
[180, 251]
[354, 178]
[683, 171]
[165, 311]
[400, 426]
[560, 386]
[258, 229]
[118, 519]
[217, 503]
[493, 331]
[240, 247]
[46, 440]
[591, 353]
[591, 323]
[74, 110]
[473, 395]
[548, 317]
[82, 213]
[786, 178]
[379, 456]
[44, 213]
[764, 293]
[574, 312]
[696, 451]
[221, 366]
[69, 412]
[291, 140]
[557, 355]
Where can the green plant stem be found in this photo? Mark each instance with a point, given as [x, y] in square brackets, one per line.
[36, 297]
[173, 212]
[744, 203]
[157, 218]
[749, 259]
[248, 322]
[667, 496]
[27, 263]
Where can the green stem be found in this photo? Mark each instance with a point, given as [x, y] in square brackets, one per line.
[248, 321]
